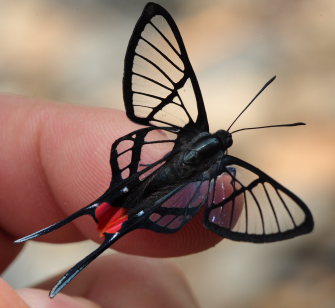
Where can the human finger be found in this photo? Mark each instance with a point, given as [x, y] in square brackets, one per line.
[55, 160]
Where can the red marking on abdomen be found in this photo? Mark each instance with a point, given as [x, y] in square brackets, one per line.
[110, 218]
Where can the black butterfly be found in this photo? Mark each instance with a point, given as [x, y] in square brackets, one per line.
[161, 92]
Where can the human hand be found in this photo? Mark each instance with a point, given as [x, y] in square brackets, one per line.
[55, 160]
[116, 280]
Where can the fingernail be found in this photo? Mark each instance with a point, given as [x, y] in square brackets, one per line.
[36, 298]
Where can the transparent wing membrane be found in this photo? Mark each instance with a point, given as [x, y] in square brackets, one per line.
[179, 208]
[160, 87]
[257, 208]
[141, 150]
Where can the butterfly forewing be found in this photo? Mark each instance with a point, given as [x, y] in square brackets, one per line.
[159, 85]
[257, 208]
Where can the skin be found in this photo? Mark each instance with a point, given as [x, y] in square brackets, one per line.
[54, 160]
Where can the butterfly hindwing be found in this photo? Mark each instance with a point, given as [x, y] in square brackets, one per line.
[178, 207]
[256, 207]
[138, 151]
[159, 84]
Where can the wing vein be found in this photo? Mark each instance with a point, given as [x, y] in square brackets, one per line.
[259, 209]
[272, 207]
[184, 108]
[163, 55]
[246, 211]
[153, 81]
[156, 66]
[166, 40]
[286, 208]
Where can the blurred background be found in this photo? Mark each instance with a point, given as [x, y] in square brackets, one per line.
[72, 51]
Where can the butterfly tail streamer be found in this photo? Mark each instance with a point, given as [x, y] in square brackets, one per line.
[88, 210]
[75, 270]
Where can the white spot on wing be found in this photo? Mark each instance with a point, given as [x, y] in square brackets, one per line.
[124, 190]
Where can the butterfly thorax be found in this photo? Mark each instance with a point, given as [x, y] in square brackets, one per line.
[206, 147]
[193, 158]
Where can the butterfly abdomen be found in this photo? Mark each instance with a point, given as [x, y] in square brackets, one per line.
[110, 218]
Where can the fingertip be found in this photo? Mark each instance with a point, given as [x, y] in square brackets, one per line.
[192, 238]
[56, 161]
[121, 280]
[9, 298]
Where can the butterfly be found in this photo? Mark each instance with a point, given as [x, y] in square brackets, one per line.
[161, 92]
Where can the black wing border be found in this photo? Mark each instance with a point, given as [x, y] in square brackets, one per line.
[306, 227]
[187, 212]
[138, 137]
[151, 10]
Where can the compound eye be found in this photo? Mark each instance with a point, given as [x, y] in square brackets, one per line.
[229, 141]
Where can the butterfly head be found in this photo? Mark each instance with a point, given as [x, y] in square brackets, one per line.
[225, 138]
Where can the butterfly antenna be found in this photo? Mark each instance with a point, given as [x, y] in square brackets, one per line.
[247, 106]
[88, 210]
[268, 126]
